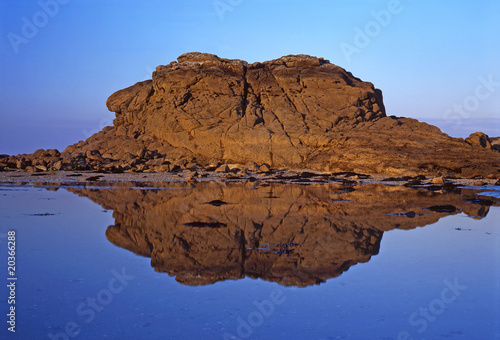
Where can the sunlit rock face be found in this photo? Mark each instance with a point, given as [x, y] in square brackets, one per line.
[291, 234]
[295, 112]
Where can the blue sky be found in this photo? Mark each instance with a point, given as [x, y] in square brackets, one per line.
[434, 60]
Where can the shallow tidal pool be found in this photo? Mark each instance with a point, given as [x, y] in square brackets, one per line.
[250, 261]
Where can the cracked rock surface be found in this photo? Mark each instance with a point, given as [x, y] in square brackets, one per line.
[277, 112]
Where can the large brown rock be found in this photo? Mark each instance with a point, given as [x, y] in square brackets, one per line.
[278, 112]
[294, 112]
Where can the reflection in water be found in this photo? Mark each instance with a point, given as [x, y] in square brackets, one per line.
[291, 234]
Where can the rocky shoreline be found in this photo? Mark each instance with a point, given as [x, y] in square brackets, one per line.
[233, 174]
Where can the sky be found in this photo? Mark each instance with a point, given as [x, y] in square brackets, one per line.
[434, 60]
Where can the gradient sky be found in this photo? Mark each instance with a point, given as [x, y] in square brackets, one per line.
[435, 60]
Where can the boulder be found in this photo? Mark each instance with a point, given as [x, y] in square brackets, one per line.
[479, 139]
[439, 181]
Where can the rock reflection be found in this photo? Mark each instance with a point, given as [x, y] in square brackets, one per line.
[291, 234]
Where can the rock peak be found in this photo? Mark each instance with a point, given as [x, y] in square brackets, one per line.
[298, 60]
[207, 60]
[200, 58]
[291, 60]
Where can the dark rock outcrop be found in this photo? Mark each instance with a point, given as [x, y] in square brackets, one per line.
[291, 234]
[293, 112]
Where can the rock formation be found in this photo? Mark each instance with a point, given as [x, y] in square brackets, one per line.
[287, 233]
[297, 112]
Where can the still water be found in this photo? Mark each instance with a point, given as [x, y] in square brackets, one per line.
[251, 261]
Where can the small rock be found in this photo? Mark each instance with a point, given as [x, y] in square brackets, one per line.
[160, 168]
[38, 153]
[234, 167]
[165, 168]
[252, 166]
[157, 162]
[53, 152]
[51, 160]
[264, 168]
[37, 162]
[180, 163]
[57, 165]
[191, 166]
[77, 155]
[93, 155]
[223, 168]
[439, 181]
[212, 167]
[174, 167]
[140, 168]
[21, 164]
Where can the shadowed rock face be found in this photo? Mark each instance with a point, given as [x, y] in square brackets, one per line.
[294, 112]
[290, 234]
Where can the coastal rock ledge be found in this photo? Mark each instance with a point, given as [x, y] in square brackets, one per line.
[295, 112]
